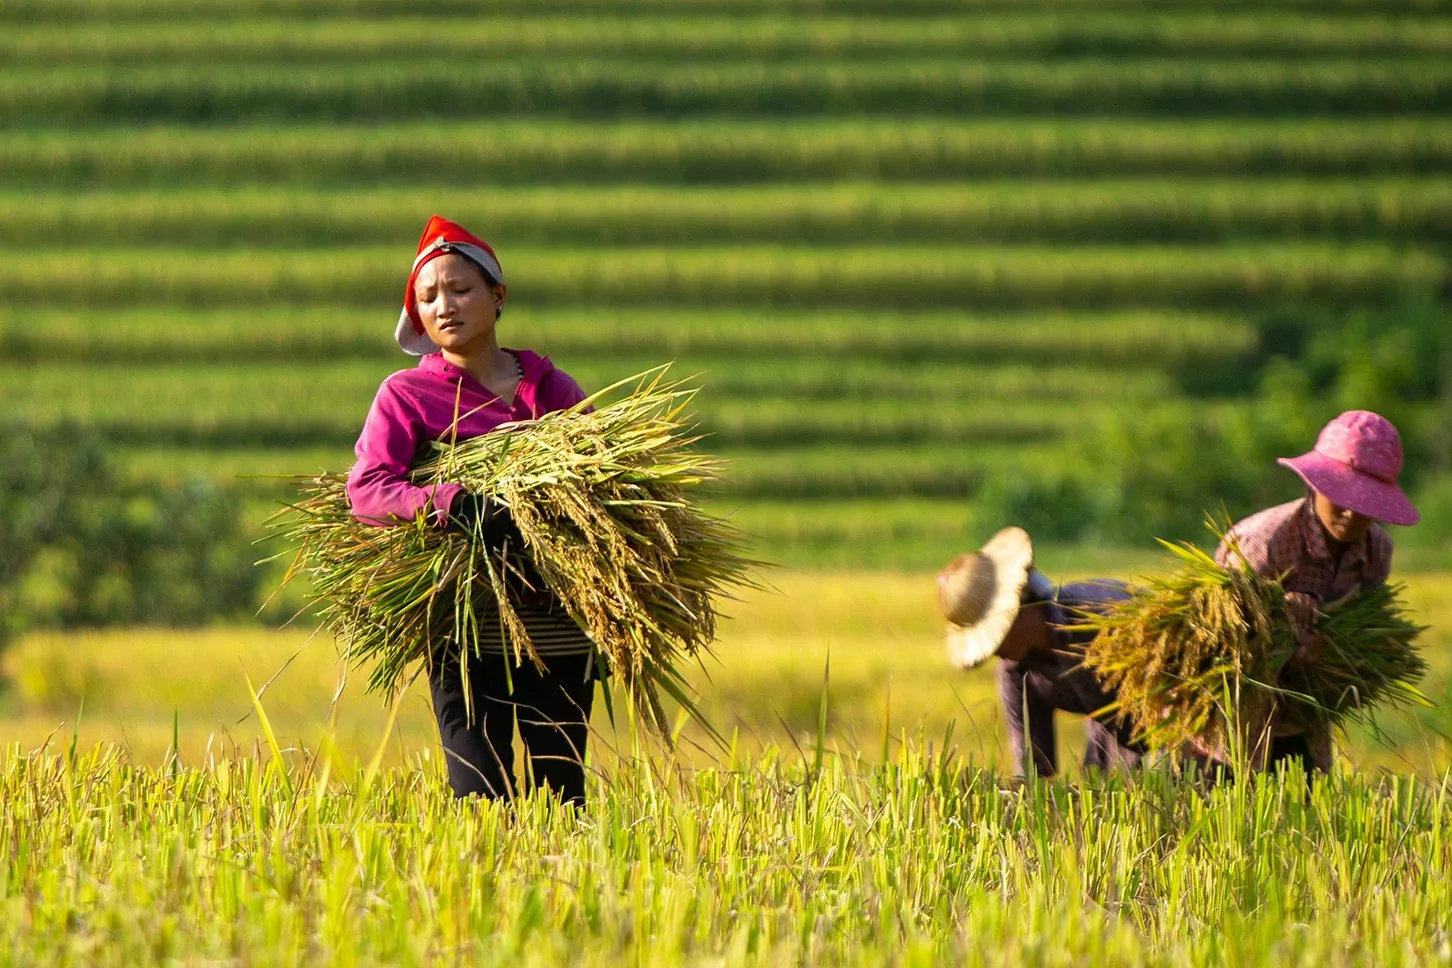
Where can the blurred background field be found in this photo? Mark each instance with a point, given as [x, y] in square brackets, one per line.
[871, 639]
[928, 258]
[940, 265]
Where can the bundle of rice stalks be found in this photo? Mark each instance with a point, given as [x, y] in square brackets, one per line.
[1369, 660]
[1201, 655]
[601, 499]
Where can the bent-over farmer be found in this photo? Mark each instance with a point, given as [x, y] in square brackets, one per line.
[997, 603]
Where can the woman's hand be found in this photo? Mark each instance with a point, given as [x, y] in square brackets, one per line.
[490, 518]
[1309, 643]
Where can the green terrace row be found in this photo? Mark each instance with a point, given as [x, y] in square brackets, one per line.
[965, 278]
[452, 156]
[737, 391]
[768, 426]
[1124, 210]
[835, 472]
[653, 36]
[159, 333]
[592, 88]
[64, 11]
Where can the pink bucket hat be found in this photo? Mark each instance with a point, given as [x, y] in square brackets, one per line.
[1356, 463]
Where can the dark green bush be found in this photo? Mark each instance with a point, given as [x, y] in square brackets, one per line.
[80, 546]
[1159, 472]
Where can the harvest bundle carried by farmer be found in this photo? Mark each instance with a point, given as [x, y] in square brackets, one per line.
[997, 603]
[511, 537]
[1288, 630]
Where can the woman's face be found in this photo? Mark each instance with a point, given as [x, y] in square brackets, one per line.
[458, 307]
[1342, 524]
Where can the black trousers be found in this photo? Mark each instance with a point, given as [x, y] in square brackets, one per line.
[1283, 749]
[1106, 748]
[551, 709]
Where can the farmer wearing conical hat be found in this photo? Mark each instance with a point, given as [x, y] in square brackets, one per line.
[998, 604]
[1324, 547]
[466, 385]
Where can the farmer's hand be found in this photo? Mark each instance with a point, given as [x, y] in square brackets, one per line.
[487, 516]
[491, 518]
[1309, 644]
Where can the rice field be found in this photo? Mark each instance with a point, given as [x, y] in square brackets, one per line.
[880, 631]
[774, 862]
[1168, 210]
[901, 842]
[719, 150]
[591, 88]
[1144, 341]
[906, 245]
[921, 862]
[268, 38]
[898, 277]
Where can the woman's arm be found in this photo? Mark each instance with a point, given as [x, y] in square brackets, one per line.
[378, 485]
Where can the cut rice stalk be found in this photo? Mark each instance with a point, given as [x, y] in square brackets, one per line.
[1200, 655]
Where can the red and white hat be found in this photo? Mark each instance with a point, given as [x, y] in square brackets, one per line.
[440, 237]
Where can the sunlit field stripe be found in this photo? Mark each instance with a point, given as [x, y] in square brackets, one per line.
[455, 157]
[1147, 340]
[970, 278]
[671, 35]
[1129, 211]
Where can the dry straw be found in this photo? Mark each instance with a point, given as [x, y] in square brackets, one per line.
[601, 495]
[1201, 654]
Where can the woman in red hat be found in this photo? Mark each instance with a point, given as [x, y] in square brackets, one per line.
[466, 385]
[1324, 547]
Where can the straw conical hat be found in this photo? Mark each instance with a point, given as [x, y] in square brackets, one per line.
[980, 594]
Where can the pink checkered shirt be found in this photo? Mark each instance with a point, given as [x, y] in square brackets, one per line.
[1290, 543]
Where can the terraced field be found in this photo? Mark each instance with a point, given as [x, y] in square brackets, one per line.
[906, 245]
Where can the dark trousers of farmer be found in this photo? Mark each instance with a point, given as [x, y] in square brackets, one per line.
[1283, 751]
[552, 709]
[1105, 751]
[1033, 691]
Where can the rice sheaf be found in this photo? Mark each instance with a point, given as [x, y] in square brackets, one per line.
[602, 496]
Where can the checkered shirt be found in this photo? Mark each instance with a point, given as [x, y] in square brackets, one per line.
[1290, 543]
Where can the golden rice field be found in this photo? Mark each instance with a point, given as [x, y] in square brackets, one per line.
[880, 633]
[342, 846]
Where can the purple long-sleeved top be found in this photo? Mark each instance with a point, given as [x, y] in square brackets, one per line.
[416, 406]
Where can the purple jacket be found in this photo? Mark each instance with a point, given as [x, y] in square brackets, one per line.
[416, 406]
